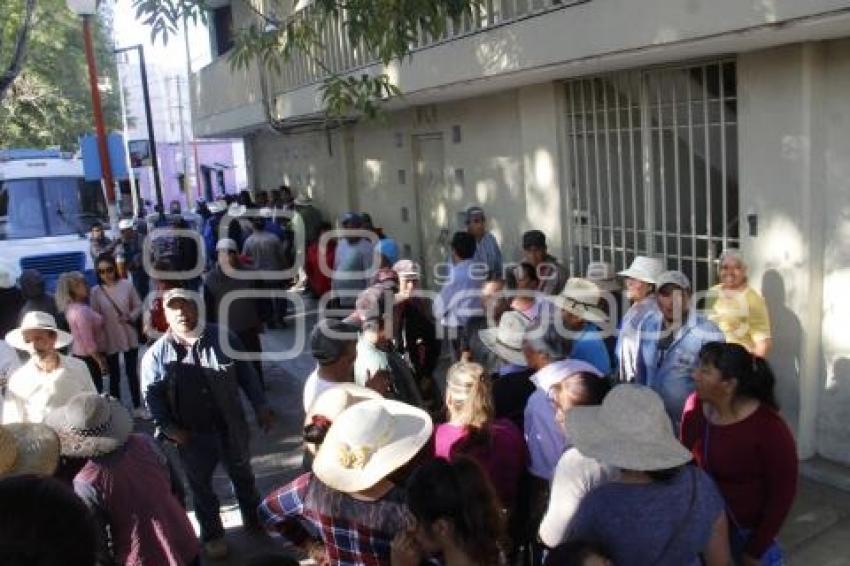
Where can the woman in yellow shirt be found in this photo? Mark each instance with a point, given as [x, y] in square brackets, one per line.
[738, 309]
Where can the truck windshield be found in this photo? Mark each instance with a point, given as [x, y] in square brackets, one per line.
[49, 206]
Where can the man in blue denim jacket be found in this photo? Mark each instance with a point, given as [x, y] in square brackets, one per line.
[669, 344]
[192, 389]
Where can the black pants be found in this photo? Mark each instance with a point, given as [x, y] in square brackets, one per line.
[251, 343]
[94, 370]
[130, 359]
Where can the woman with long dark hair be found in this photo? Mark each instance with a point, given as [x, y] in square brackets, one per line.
[456, 515]
[496, 444]
[732, 426]
[116, 300]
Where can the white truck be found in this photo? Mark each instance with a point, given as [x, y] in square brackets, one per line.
[46, 211]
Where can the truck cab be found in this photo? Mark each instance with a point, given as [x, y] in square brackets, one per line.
[46, 211]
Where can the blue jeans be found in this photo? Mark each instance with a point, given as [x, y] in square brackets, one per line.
[200, 456]
[738, 539]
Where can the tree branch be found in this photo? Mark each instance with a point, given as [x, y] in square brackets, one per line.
[20, 50]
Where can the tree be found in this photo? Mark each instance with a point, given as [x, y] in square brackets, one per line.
[387, 28]
[20, 26]
[49, 103]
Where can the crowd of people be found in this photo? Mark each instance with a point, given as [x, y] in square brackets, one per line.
[518, 414]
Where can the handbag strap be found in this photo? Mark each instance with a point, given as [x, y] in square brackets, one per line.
[684, 521]
[114, 304]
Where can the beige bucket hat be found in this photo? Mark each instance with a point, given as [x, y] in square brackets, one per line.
[644, 268]
[581, 298]
[505, 340]
[369, 441]
[28, 448]
[630, 430]
[37, 320]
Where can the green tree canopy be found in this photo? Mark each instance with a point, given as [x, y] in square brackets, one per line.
[49, 103]
[387, 28]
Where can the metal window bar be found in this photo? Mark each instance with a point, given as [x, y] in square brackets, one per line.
[594, 235]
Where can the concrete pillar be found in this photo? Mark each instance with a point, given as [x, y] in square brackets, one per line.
[539, 120]
[783, 182]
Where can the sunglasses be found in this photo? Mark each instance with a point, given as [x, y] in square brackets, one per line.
[106, 270]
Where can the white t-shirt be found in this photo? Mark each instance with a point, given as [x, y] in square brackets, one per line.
[315, 386]
[575, 475]
[32, 393]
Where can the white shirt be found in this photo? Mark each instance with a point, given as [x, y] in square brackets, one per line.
[32, 392]
[315, 386]
[575, 475]
[9, 362]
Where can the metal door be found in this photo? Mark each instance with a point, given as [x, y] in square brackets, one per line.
[652, 166]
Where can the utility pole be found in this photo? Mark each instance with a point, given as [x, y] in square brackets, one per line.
[134, 191]
[183, 147]
[196, 168]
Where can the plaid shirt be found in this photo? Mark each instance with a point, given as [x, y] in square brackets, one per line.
[354, 532]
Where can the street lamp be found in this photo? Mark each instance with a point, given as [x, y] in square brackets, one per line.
[149, 119]
[85, 9]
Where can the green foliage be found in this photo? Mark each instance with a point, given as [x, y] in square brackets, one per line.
[387, 29]
[50, 102]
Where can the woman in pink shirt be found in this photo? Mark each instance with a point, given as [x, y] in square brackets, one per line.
[116, 300]
[496, 444]
[72, 293]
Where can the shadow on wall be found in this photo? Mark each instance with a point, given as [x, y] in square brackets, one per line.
[834, 414]
[787, 334]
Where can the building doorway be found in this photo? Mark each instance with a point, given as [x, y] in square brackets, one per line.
[432, 217]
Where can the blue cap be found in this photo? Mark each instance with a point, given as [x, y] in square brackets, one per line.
[389, 248]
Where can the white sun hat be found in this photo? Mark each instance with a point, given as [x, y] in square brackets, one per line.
[37, 320]
[644, 268]
[368, 442]
[505, 340]
[126, 224]
[556, 372]
[630, 430]
[581, 298]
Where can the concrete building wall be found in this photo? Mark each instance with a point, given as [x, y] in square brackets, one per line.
[794, 163]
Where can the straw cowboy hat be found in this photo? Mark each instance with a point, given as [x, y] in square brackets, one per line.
[643, 268]
[28, 448]
[37, 320]
[603, 275]
[505, 340]
[630, 430]
[369, 441]
[90, 425]
[581, 298]
[333, 401]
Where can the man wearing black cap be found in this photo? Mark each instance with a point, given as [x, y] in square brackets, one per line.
[486, 247]
[334, 346]
[552, 275]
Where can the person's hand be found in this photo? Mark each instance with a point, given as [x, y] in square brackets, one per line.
[179, 436]
[101, 363]
[379, 381]
[266, 419]
[405, 551]
[315, 551]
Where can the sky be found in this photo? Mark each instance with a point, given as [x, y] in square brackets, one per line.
[171, 57]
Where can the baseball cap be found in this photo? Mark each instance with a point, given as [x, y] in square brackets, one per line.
[178, 293]
[125, 224]
[226, 244]
[407, 269]
[474, 212]
[329, 340]
[676, 278]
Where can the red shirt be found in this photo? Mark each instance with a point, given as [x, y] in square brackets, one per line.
[315, 262]
[753, 462]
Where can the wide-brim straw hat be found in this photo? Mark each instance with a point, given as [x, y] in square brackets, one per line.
[28, 448]
[644, 268]
[368, 442]
[505, 340]
[90, 425]
[333, 401]
[630, 430]
[37, 320]
[581, 298]
[556, 372]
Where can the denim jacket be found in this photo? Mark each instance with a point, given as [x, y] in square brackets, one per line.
[162, 365]
[670, 373]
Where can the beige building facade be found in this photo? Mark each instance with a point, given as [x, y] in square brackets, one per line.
[617, 127]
